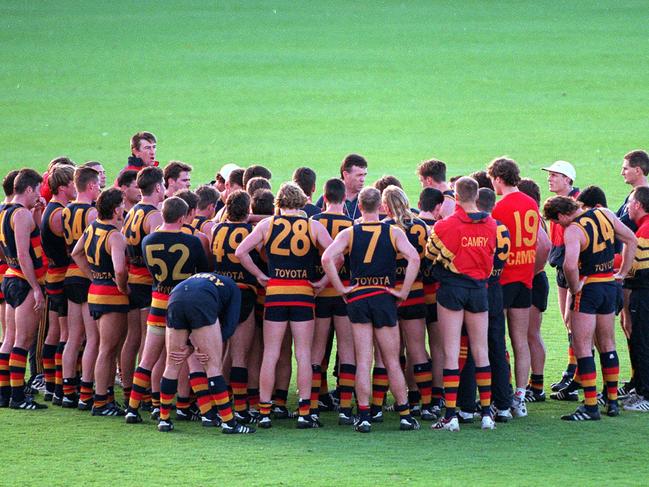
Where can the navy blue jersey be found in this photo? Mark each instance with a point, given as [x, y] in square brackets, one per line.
[134, 232]
[10, 250]
[597, 255]
[226, 238]
[502, 252]
[372, 258]
[75, 221]
[334, 223]
[290, 248]
[417, 234]
[53, 244]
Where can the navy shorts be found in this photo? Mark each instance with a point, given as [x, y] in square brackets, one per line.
[15, 290]
[380, 310]
[248, 300]
[562, 282]
[330, 306]
[457, 298]
[516, 295]
[58, 303]
[288, 313]
[140, 296]
[599, 298]
[540, 291]
[431, 313]
[187, 314]
[76, 289]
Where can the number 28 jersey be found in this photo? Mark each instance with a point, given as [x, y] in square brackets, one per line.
[290, 248]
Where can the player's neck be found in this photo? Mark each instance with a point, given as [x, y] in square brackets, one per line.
[150, 200]
[443, 186]
[337, 208]
[172, 227]
[113, 221]
[206, 213]
[641, 182]
[84, 198]
[293, 211]
[20, 199]
[508, 190]
[427, 214]
[468, 207]
[350, 194]
[369, 217]
[564, 192]
[128, 205]
[60, 199]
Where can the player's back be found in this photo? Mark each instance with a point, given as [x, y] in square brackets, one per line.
[520, 214]
[226, 238]
[134, 231]
[596, 258]
[290, 248]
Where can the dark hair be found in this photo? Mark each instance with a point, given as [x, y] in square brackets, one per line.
[8, 182]
[334, 191]
[641, 195]
[189, 197]
[559, 205]
[173, 209]
[207, 196]
[369, 200]
[61, 161]
[486, 199]
[147, 179]
[482, 179]
[60, 176]
[305, 178]
[350, 161]
[125, 178]
[173, 170]
[386, 181]
[237, 206]
[505, 169]
[429, 198]
[26, 178]
[531, 189]
[236, 178]
[139, 137]
[83, 176]
[638, 158]
[256, 183]
[592, 196]
[92, 164]
[263, 202]
[108, 200]
[432, 169]
[255, 171]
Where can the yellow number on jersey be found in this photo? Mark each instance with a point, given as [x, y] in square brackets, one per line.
[300, 243]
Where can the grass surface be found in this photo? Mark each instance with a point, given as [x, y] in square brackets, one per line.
[285, 84]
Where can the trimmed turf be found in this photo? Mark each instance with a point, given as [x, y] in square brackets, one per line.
[287, 84]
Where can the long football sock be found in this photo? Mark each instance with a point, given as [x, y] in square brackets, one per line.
[611, 373]
[200, 385]
[588, 380]
[536, 382]
[219, 392]
[316, 378]
[49, 367]
[5, 383]
[141, 382]
[451, 383]
[483, 379]
[424, 379]
[379, 388]
[279, 397]
[347, 382]
[168, 388]
[17, 366]
[572, 359]
[58, 374]
[239, 384]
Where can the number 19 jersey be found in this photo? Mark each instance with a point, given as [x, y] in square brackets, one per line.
[519, 213]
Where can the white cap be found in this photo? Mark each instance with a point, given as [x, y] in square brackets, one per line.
[563, 167]
[227, 169]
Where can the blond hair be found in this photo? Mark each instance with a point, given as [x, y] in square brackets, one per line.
[290, 197]
[396, 201]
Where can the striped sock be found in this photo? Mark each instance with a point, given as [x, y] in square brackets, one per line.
[253, 398]
[403, 410]
[451, 382]
[264, 408]
[182, 402]
[483, 379]
[49, 367]
[346, 381]
[379, 388]
[70, 387]
[168, 388]
[5, 384]
[17, 366]
[588, 380]
[198, 382]
[436, 396]
[219, 391]
[85, 391]
[304, 407]
[58, 374]
[141, 382]
[155, 399]
[611, 373]
[239, 384]
[316, 377]
[572, 359]
[279, 397]
[364, 412]
[424, 380]
[464, 349]
[100, 400]
[536, 382]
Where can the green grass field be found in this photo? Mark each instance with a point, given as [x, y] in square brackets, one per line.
[304, 83]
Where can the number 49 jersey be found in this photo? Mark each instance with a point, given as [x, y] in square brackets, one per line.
[519, 213]
[226, 238]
